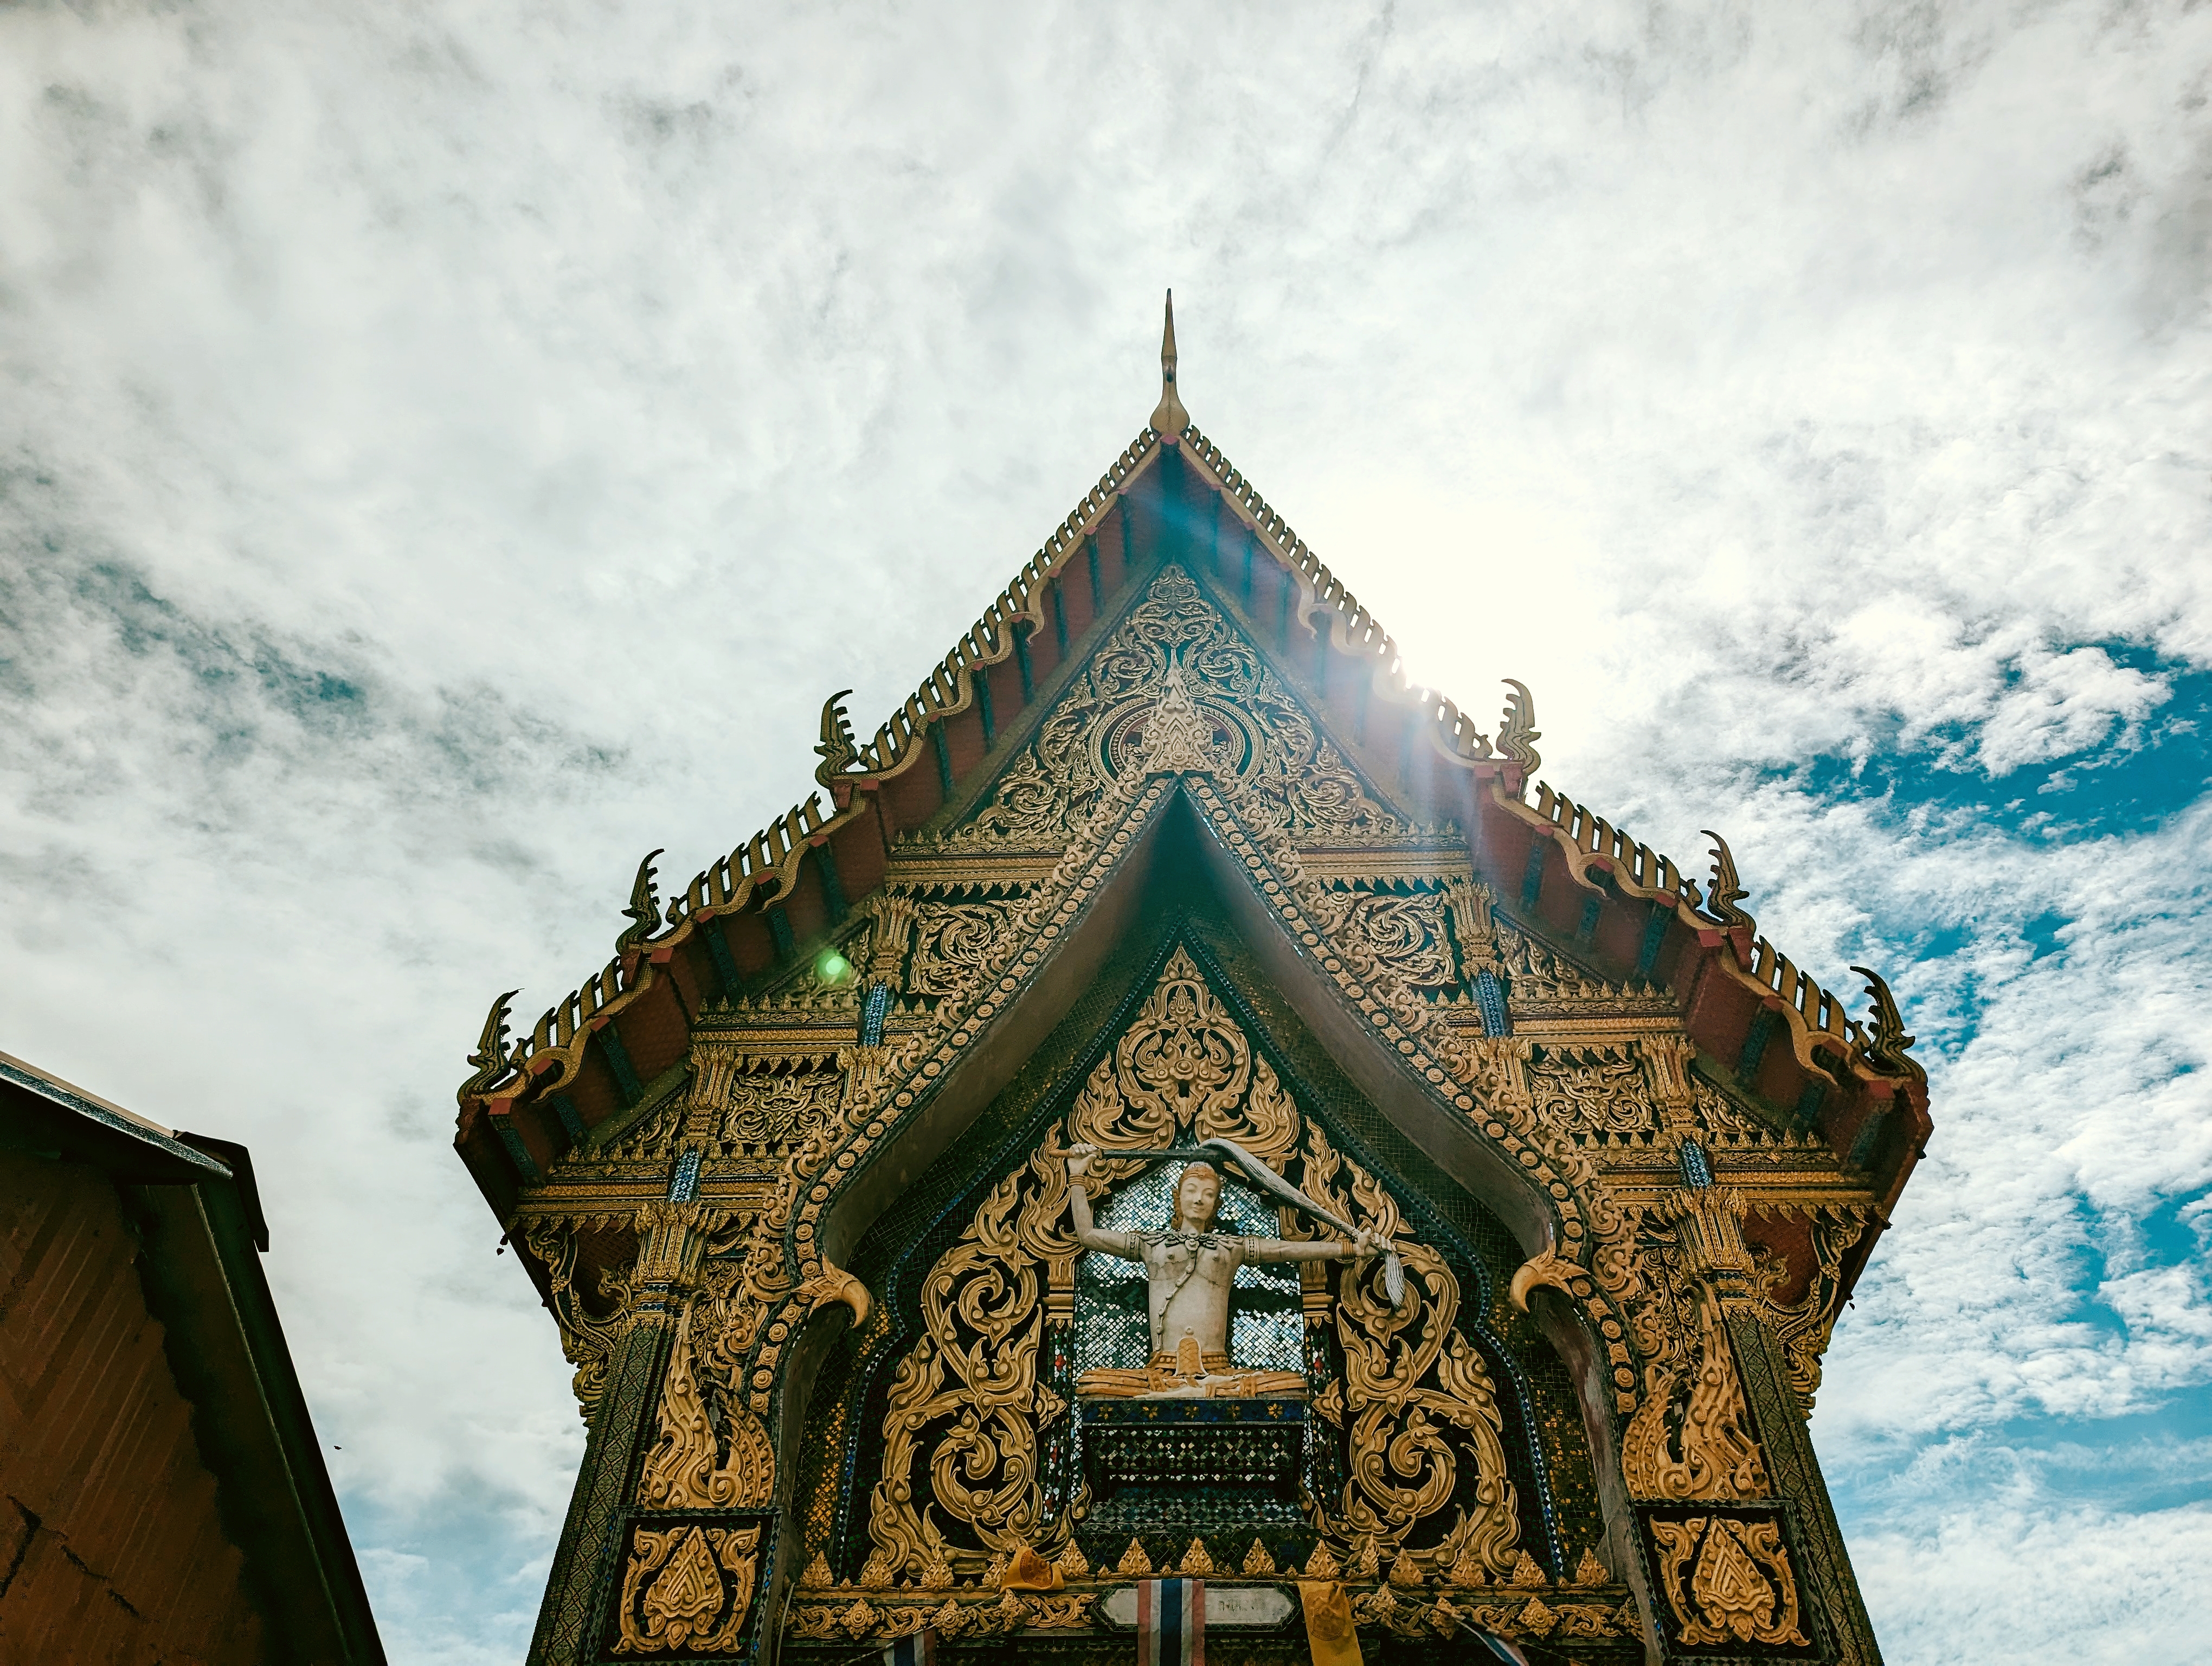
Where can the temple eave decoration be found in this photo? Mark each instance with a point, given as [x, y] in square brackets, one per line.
[1169, 850]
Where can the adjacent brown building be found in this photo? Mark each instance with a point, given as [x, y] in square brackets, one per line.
[162, 1493]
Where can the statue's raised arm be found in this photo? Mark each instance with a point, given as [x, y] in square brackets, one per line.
[1363, 1244]
[1128, 1245]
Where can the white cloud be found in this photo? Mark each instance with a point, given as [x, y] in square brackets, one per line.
[2116, 1588]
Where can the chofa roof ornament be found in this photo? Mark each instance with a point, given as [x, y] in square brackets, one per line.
[1517, 735]
[1886, 1041]
[836, 751]
[644, 911]
[1724, 890]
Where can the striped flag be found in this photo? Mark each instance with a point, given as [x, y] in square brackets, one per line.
[919, 1649]
[1171, 1622]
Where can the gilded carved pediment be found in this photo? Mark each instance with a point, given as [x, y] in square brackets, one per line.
[1177, 687]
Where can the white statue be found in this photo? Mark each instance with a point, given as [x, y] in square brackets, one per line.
[1189, 1270]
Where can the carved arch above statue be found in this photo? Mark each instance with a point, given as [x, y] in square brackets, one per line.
[976, 1460]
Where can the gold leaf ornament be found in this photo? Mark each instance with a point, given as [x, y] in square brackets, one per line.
[1740, 1586]
[689, 1577]
[686, 1469]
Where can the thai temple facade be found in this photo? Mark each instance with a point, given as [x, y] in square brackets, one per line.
[1184, 1135]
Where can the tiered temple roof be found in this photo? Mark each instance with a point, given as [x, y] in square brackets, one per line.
[1565, 873]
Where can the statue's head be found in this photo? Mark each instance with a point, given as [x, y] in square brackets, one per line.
[1198, 1198]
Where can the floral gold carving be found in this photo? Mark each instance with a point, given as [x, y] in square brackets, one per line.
[954, 943]
[686, 1469]
[965, 1403]
[1420, 1401]
[1719, 1113]
[1176, 687]
[691, 1577]
[1728, 1579]
[1595, 1091]
[758, 1106]
[1546, 982]
[1402, 935]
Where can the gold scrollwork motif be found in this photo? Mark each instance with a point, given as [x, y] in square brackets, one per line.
[691, 1576]
[1593, 1092]
[1405, 935]
[1691, 1438]
[687, 1469]
[1418, 1401]
[586, 1339]
[1232, 716]
[1739, 1588]
[955, 944]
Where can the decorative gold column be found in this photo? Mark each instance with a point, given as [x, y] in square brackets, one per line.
[1747, 1560]
[1795, 1473]
[669, 1244]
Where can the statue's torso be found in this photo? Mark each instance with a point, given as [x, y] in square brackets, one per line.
[1188, 1276]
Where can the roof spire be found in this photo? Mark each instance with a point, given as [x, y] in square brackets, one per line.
[1169, 417]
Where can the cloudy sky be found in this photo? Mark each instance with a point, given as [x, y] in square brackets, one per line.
[447, 452]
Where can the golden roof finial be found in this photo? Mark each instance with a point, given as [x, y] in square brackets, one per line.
[1169, 417]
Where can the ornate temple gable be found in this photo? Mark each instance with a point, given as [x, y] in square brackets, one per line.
[1175, 691]
[1172, 497]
